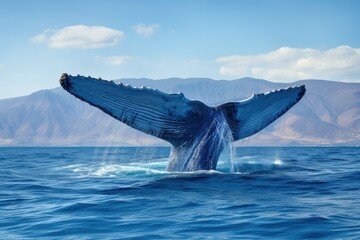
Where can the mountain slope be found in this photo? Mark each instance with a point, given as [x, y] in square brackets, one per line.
[328, 114]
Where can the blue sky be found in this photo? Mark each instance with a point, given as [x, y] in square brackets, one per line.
[280, 41]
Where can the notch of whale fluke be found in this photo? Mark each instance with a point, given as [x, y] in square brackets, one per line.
[197, 132]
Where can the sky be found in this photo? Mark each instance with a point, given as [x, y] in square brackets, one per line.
[280, 41]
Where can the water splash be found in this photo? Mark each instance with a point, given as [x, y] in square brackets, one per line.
[202, 150]
[278, 162]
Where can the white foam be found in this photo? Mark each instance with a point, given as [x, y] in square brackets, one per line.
[278, 162]
[113, 170]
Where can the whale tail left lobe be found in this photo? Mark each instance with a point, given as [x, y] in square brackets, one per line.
[171, 117]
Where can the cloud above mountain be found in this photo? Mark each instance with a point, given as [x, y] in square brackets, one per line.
[288, 64]
[79, 36]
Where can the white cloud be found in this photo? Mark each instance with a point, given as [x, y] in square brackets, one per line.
[79, 36]
[144, 29]
[288, 64]
[114, 60]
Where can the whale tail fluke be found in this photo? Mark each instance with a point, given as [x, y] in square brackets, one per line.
[248, 117]
[197, 132]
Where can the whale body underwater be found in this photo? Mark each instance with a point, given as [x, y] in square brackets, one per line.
[198, 133]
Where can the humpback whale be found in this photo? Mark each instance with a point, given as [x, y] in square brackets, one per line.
[197, 132]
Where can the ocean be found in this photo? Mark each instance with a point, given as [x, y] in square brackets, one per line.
[125, 193]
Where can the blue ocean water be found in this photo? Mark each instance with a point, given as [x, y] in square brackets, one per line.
[125, 193]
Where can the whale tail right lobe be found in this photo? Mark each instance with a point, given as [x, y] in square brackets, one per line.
[248, 117]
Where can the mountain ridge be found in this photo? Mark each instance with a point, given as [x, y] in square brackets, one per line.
[329, 114]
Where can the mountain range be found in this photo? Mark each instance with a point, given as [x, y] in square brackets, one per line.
[329, 114]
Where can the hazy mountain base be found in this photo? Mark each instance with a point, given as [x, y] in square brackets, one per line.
[329, 114]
